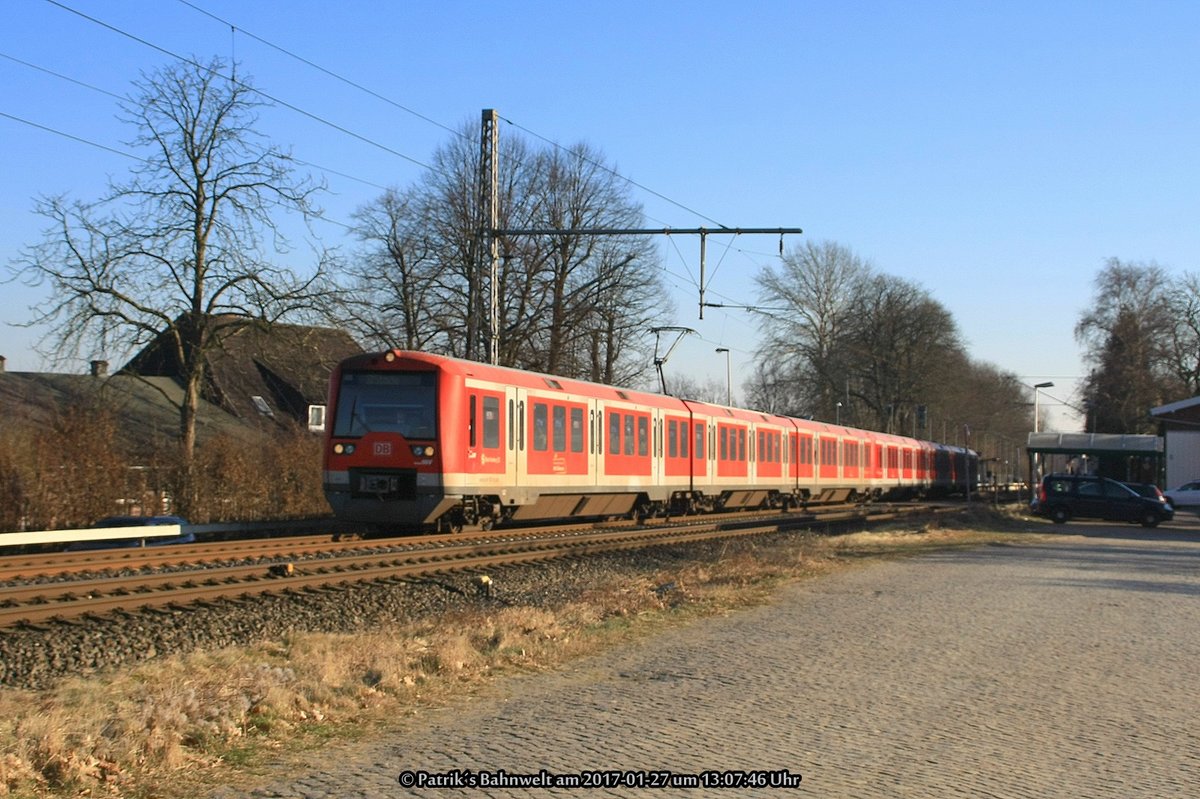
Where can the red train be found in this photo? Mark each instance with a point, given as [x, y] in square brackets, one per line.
[420, 440]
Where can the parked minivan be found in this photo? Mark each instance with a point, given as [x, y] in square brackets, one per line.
[1063, 497]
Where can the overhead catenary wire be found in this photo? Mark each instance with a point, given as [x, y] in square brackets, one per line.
[290, 106]
[313, 214]
[383, 98]
[371, 92]
[124, 98]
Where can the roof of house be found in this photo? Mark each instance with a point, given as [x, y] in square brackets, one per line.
[261, 377]
[36, 398]
[260, 372]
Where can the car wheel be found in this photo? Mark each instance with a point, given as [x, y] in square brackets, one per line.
[1060, 515]
[1150, 519]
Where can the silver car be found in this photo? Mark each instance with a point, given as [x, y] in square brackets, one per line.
[1187, 495]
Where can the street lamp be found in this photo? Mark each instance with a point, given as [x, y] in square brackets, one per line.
[728, 376]
[839, 414]
[1036, 396]
[1037, 461]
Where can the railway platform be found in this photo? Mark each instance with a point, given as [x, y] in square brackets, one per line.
[1062, 668]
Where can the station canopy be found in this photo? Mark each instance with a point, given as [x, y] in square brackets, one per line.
[1093, 444]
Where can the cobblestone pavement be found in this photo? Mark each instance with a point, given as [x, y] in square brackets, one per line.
[1065, 668]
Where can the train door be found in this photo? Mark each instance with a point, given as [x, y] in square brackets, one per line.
[521, 444]
[657, 448]
[713, 476]
[510, 427]
[595, 442]
[486, 458]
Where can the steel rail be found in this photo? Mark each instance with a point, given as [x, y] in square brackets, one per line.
[72, 599]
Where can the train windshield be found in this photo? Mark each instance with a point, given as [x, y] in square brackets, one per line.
[387, 402]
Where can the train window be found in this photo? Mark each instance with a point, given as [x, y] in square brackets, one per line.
[559, 419]
[629, 422]
[387, 402]
[643, 435]
[699, 440]
[491, 422]
[577, 429]
[672, 439]
[762, 446]
[724, 443]
[741, 445]
[510, 425]
[683, 439]
[471, 421]
[540, 419]
[614, 434]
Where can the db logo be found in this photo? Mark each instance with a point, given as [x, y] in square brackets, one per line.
[383, 448]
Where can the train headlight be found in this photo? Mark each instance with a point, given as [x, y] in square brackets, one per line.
[421, 451]
[343, 449]
[390, 356]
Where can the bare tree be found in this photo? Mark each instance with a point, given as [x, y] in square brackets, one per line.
[817, 284]
[572, 304]
[1127, 336]
[184, 248]
[688, 387]
[899, 337]
[395, 286]
[1182, 350]
[776, 389]
[874, 351]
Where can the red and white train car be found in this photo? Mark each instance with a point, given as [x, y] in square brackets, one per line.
[418, 439]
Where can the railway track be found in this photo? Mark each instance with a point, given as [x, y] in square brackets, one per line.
[66, 587]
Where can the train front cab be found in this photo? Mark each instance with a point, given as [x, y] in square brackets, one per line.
[388, 443]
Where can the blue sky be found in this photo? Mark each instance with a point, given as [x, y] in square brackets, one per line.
[994, 153]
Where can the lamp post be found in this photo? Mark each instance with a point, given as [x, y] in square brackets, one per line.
[839, 414]
[1036, 396]
[728, 376]
[1037, 462]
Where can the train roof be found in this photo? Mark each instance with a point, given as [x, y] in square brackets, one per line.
[517, 377]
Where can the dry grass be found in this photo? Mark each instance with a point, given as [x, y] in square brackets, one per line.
[172, 727]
